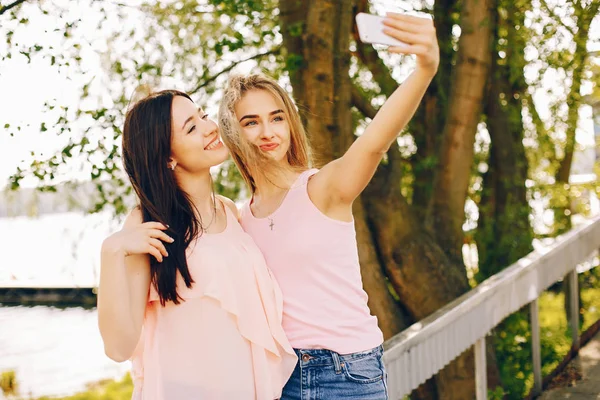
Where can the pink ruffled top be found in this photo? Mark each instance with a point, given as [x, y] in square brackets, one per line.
[225, 340]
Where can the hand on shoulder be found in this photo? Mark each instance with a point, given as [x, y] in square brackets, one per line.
[138, 237]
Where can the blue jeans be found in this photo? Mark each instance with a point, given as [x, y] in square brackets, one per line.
[327, 375]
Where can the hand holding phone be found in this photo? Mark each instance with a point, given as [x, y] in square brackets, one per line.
[404, 33]
[370, 29]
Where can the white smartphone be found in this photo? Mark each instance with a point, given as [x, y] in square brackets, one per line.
[370, 29]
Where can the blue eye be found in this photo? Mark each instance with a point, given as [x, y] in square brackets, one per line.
[278, 118]
[250, 123]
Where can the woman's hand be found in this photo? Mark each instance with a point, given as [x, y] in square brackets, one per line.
[146, 238]
[419, 35]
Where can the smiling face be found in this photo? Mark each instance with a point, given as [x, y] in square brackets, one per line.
[195, 141]
[264, 123]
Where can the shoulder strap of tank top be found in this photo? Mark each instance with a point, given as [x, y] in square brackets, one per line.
[228, 212]
[305, 176]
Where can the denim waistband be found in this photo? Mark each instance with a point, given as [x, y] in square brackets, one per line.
[323, 357]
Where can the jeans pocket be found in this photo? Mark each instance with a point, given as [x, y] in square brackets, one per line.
[363, 370]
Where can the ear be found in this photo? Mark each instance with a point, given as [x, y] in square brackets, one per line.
[171, 164]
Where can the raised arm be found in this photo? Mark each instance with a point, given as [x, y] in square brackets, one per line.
[125, 281]
[345, 178]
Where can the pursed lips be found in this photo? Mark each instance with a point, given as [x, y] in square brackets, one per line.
[269, 146]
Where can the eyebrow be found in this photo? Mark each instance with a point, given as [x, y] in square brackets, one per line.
[252, 116]
[191, 118]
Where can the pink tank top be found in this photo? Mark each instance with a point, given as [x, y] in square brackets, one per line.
[315, 261]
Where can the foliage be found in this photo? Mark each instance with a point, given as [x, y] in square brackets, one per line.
[104, 390]
[195, 44]
[8, 383]
[513, 341]
[192, 42]
[199, 43]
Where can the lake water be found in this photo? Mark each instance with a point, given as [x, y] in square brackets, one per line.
[53, 351]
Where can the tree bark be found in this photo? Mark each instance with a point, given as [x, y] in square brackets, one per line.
[292, 20]
[422, 275]
[456, 157]
[429, 120]
[504, 233]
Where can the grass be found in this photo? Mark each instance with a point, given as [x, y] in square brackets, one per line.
[555, 338]
[553, 320]
[103, 390]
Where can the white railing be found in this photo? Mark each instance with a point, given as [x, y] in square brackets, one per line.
[419, 352]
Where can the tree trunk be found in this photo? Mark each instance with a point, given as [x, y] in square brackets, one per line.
[465, 106]
[422, 275]
[292, 20]
[453, 173]
[429, 120]
[504, 233]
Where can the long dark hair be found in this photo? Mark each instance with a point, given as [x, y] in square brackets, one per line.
[146, 153]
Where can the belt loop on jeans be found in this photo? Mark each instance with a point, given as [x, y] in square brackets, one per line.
[336, 362]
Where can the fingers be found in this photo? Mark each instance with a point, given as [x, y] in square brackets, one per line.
[160, 246]
[407, 37]
[408, 49]
[424, 19]
[155, 230]
[423, 30]
[153, 251]
[155, 233]
[401, 26]
[156, 247]
[155, 225]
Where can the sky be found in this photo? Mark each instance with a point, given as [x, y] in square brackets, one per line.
[26, 87]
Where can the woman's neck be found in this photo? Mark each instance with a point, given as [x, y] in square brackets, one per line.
[271, 184]
[200, 191]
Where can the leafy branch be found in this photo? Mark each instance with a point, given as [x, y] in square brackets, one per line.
[205, 82]
[4, 9]
[362, 104]
[550, 11]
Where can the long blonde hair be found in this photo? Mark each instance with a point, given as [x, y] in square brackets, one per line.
[249, 160]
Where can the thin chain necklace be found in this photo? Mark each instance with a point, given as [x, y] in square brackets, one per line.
[271, 222]
[204, 229]
[271, 216]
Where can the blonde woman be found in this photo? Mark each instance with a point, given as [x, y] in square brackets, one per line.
[301, 218]
[184, 291]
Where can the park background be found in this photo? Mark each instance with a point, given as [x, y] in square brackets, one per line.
[501, 157]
